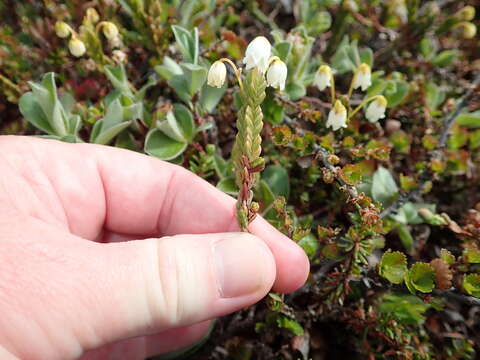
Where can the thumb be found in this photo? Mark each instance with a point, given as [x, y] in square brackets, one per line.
[104, 293]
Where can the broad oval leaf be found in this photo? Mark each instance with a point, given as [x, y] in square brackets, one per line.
[393, 266]
[471, 284]
[277, 179]
[163, 147]
[384, 188]
[421, 277]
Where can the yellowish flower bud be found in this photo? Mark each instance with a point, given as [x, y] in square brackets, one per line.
[62, 29]
[466, 13]
[110, 30]
[92, 15]
[469, 30]
[76, 47]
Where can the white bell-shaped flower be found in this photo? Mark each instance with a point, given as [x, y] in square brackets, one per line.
[217, 74]
[323, 77]
[376, 109]
[277, 74]
[337, 117]
[363, 77]
[258, 54]
[76, 47]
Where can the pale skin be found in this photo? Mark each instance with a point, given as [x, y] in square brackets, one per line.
[95, 263]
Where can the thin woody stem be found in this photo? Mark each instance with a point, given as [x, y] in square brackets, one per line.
[365, 102]
[236, 71]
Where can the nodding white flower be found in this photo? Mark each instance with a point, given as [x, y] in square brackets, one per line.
[217, 74]
[323, 77]
[376, 109]
[258, 54]
[110, 30]
[337, 117]
[76, 47]
[362, 77]
[62, 29]
[119, 56]
[92, 15]
[277, 74]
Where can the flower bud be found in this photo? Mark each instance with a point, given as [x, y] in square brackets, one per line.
[277, 74]
[363, 77]
[258, 54]
[119, 56]
[92, 15]
[469, 30]
[217, 74]
[466, 13]
[376, 109]
[337, 117]
[323, 77]
[76, 47]
[110, 30]
[62, 29]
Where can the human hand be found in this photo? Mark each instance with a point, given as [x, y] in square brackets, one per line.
[71, 285]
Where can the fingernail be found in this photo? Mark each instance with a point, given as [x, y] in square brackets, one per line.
[243, 265]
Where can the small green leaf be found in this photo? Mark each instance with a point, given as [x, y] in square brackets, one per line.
[405, 237]
[406, 309]
[472, 254]
[469, 119]
[447, 256]
[228, 186]
[393, 266]
[282, 50]
[163, 147]
[210, 97]
[32, 111]
[277, 179]
[421, 276]
[384, 188]
[351, 174]
[118, 78]
[435, 96]
[196, 77]
[309, 244]
[445, 58]
[169, 68]
[289, 324]
[471, 284]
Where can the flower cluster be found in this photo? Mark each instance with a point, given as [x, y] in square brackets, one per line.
[257, 55]
[362, 79]
[77, 46]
